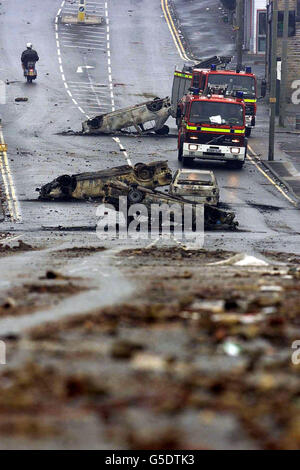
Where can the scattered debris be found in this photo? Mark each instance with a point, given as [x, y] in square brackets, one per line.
[124, 349]
[21, 99]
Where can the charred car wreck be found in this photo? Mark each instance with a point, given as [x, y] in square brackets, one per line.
[138, 185]
[214, 218]
[90, 185]
[144, 117]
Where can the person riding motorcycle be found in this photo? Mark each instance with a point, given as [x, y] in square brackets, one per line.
[29, 55]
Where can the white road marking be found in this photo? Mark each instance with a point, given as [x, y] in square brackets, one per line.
[9, 187]
[81, 67]
[89, 48]
[269, 178]
[89, 42]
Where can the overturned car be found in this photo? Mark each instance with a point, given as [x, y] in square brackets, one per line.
[143, 117]
[214, 218]
[90, 185]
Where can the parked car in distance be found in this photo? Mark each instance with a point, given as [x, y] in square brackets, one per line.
[196, 185]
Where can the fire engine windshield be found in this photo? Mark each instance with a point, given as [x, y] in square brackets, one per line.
[234, 82]
[207, 112]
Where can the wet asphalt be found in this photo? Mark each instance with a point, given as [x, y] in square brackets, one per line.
[142, 59]
[82, 71]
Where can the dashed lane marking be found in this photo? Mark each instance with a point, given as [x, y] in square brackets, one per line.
[90, 44]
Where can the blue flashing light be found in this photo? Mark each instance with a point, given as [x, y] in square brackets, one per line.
[248, 69]
[213, 67]
[240, 94]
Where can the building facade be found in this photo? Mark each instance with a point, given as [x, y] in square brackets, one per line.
[255, 27]
[293, 58]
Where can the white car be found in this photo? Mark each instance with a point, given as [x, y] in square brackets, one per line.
[196, 185]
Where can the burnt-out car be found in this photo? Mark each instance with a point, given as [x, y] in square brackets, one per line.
[196, 185]
[90, 185]
[142, 118]
[214, 218]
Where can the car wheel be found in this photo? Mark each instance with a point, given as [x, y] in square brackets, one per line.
[135, 196]
[163, 131]
[156, 105]
[144, 173]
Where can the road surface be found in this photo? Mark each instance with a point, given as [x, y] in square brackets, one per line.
[85, 71]
[130, 59]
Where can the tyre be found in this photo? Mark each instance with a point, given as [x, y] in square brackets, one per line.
[237, 165]
[64, 180]
[248, 131]
[135, 196]
[155, 106]
[144, 173]
[163, 131]
[137, 166]
[187, 161]
[180, 152]
[96, 122]
[29, 80]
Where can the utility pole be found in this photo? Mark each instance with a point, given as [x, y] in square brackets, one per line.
[240, 32]
[273, 79]
[282, 108]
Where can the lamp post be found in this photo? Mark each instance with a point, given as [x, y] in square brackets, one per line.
[273, 80]
[282, 109]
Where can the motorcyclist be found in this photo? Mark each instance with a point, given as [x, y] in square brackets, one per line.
[29, 55]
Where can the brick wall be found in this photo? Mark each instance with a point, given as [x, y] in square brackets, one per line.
[293, 50]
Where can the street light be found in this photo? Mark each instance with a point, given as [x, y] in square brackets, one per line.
[273, 80]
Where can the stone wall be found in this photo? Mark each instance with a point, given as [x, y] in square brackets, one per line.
[293, 50]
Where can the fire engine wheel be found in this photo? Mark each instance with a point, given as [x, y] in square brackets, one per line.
[135, 196]
[187, 161]
[248, 131]
[156, 105]
[237, 165]
[180, 153]
[163, 131]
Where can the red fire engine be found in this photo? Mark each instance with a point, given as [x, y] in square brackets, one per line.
[203, 78]
[211, 126]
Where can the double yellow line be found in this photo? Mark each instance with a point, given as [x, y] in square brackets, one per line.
[10, 193]
[252, 160]
[173, 30]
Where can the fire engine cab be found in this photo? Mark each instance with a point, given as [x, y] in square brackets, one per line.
[211, 126]
[234, 80]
